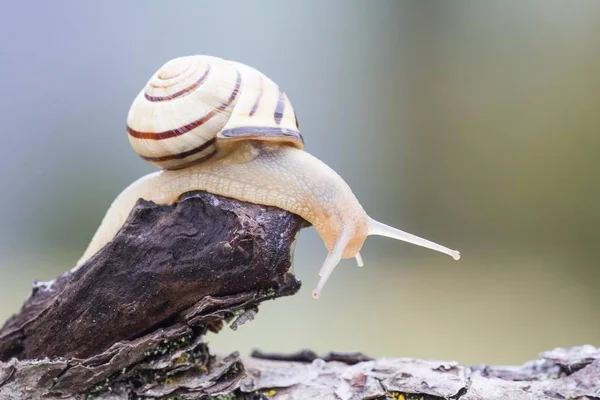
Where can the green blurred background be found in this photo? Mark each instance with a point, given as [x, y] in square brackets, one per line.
[472, 123]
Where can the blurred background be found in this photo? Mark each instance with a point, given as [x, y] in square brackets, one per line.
[473, 124]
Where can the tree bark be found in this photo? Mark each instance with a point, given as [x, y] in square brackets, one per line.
[130, 322]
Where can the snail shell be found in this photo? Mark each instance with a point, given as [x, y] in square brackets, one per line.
[193, 107]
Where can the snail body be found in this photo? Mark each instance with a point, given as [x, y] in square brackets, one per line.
[226, 128]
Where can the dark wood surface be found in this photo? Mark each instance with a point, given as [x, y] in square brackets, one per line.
[130, 324]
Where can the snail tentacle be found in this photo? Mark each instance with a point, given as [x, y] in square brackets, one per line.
[359, 260]
[381, 229]
[332, 260]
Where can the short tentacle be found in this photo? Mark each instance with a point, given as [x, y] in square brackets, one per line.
[359, 260]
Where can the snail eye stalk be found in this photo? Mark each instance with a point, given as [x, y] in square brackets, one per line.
[380, 229]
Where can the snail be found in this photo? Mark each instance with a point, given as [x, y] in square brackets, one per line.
[224, 127]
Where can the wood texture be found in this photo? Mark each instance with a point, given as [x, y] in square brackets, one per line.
[559, 374]
[165, 260]
[130, 324]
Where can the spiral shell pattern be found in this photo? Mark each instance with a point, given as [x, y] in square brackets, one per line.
[193, 104]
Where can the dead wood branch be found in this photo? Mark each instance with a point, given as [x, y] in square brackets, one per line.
[129, 324]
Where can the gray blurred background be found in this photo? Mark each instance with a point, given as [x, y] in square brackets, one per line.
[474, 124]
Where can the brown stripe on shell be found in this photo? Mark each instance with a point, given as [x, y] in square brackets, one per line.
[183, 91]
[192, 125]
[260, 93]
[278, 115]
[184, 154]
